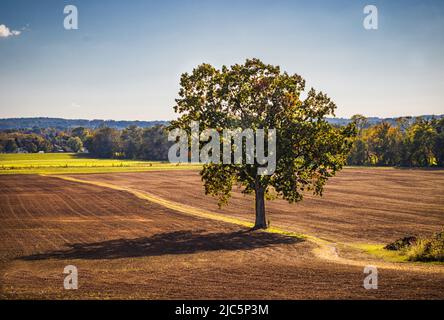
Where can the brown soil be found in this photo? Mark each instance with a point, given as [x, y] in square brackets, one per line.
[358, 205]
[125, 247]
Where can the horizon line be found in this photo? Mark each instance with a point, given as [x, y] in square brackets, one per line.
[167, 120]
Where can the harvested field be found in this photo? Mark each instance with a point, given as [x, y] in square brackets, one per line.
[126, 247]
[359, 205]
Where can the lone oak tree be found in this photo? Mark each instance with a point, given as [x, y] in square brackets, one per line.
[259, 96]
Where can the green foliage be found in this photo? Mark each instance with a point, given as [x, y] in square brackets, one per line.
[82, 133]
[438, 148]
[427, 249]
[424, 249]
[75, 144]
[402, 243]
[379, 251]
[412, 144]
[32, 142]
[8, 145]
[131, 142]
[420, 139]
[105, 143]
[359, 154]
[155, 144]
[259, 96]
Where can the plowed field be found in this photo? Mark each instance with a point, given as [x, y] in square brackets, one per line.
[127, 247]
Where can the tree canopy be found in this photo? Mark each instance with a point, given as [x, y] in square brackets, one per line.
[255, 95]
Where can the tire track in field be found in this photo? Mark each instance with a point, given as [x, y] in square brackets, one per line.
[5, 225]
[40, 218]
[6, 229]
[39, 234]
[82, 236]
[325, 250]
[121, 220]
[86, 237]
[37, 205]
[92, 212]
[118, 220]
[11, 209]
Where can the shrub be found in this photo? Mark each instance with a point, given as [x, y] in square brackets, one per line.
[402, 243]
[427, 249]
[421, 248]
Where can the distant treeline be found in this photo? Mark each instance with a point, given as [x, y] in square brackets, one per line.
[130, 143]
[63, 124]
[408, 142]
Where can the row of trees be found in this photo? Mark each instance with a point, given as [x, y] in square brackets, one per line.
[409, 143]
[130, 143]
[32, 141]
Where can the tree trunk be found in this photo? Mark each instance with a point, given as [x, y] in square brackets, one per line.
[260, 223]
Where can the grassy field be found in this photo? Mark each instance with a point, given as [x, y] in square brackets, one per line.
[64, 163]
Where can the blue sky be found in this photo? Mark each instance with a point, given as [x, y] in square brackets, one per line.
[125, 60]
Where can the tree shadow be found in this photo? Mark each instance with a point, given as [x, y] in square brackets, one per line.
[178, 242]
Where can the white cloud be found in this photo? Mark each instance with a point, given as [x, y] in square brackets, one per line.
[5, 32]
